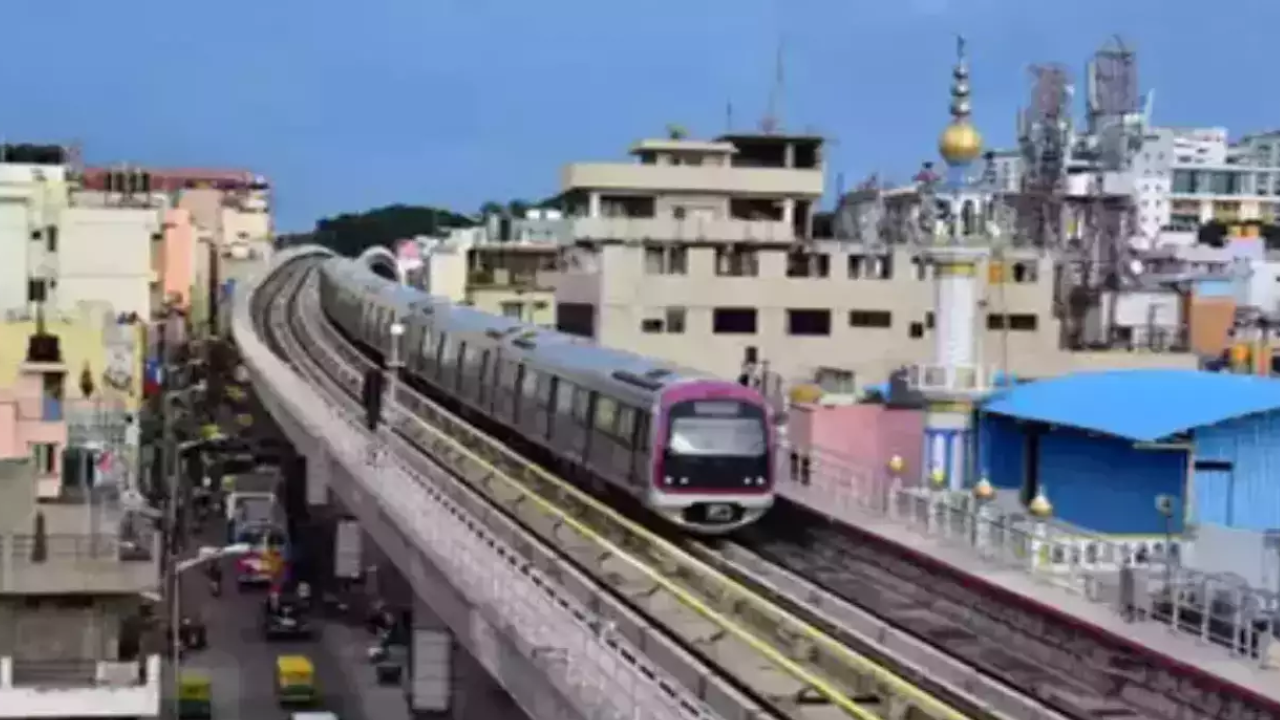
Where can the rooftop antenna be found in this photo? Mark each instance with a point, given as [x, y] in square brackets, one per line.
[728, 117]
[772, 120]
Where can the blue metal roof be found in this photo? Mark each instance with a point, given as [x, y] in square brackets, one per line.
[1143, 405]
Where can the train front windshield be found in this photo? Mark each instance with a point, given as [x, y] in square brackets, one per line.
[716, 444]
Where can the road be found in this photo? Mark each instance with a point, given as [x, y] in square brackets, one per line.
[242, 664]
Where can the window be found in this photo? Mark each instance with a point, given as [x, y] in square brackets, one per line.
[606, 414]
[514, 310]
[929, 321]
[922, 268]
[809, 323]
[733, 321]
[870, 318]
[1017, 322]
[737, 262]
[51, 238]
[45, 457]
[672, 321]
[915, 331]
[576, 319]
[37, 290]
[675, 320]
[666, 260]
[1025, 272]
[808, 265]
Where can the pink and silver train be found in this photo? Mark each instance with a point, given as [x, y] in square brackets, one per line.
[695, 449]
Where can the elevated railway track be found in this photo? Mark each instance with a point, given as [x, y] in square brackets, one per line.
[777, 624]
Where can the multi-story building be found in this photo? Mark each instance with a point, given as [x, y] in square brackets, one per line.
[502, 276]
[217, 234]
[707, 293]
[75, 566]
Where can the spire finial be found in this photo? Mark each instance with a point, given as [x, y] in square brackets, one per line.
[961, 143]
[960, 107]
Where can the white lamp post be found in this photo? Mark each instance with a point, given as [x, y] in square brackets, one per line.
[204, 556]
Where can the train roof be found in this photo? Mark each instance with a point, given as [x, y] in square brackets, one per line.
[572, 353]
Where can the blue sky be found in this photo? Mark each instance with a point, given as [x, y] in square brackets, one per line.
[350, 105]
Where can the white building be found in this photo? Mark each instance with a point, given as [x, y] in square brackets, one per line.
[64, 246]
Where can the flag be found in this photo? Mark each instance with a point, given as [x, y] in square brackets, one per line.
[153, 378]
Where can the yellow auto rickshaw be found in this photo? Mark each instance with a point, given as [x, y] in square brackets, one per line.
[295, 680]
[195, 699]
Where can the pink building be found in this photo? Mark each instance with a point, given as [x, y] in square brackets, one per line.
[32, 420]
[173, 258]
[863, 436]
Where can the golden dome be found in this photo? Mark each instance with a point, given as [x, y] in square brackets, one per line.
[960, 144]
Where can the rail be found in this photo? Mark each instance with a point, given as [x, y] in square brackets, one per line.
[1237, 620]
[685, 593]
[517, 608]
[1217, 608]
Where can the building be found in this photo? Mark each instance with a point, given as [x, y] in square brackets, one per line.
[495, 271]
[1204, 439]
[75, 565]
[704, 299]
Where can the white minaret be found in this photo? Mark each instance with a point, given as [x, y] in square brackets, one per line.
[956, 378]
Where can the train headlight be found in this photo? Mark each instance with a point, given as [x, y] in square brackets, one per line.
[669, 480]
[684, 481]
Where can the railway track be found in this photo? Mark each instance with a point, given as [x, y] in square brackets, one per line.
[662, 699]
[740, 620]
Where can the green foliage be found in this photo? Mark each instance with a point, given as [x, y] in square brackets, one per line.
[351, 233]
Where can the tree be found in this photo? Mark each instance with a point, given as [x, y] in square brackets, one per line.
[517, 209]
[490, 209]
[351, 233]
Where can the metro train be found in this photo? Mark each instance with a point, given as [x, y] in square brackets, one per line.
[696, 450]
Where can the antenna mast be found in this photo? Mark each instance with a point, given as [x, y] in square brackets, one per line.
[772, 120]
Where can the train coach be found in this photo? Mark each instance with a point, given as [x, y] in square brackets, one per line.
[694, 449]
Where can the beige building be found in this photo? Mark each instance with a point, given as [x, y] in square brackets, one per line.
[511, 279]
[72, 578]
[703, 250]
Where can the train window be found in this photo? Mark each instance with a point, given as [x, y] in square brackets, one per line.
[626, 423]
[530, 384]
[564, 398]
[606, 414]
[581, 402]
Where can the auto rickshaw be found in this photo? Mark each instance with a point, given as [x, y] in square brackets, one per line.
[295, 680]
[195, 699]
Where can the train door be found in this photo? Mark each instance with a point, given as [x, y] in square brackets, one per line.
[484, 388]
[641, 459]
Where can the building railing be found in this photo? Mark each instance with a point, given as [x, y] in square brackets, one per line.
[960, 380]
[32, 550]
[75, 674]
[1139, 579]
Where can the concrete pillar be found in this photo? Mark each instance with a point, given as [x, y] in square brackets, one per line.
[430, 675]
[593, 205]
[319, 476]
[789, 211]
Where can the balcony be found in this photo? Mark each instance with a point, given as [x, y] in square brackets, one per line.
[947, 383]
[689, 230]
[504, 278]
[99, 564]
[80, 688]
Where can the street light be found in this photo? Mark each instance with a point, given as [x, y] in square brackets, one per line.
[1165, 506]
[203, 556]
[394, 364]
